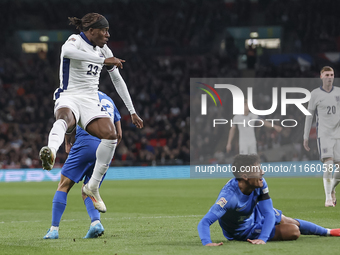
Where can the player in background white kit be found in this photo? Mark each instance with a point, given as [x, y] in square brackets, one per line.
[247, 139]
[325, 103]
[82, 58]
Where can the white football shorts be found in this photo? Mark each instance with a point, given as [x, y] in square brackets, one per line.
[247, 148]
[329, 148]
[85, 109]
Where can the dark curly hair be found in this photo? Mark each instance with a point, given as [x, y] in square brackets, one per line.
[85, 21]
[244, 161]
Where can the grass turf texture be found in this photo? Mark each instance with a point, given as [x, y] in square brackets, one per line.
[153, 217]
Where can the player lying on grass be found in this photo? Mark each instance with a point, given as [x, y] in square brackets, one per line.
[245, 211]
[80, 164]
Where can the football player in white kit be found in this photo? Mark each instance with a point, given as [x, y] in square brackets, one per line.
[82, 59]
[325, 103]
[247, 139]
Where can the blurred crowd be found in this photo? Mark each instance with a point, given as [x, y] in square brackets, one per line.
[157, 80]
[164, 43]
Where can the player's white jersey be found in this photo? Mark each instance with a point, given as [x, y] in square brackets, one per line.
[246, 132]
[80, 66]
[327, 109]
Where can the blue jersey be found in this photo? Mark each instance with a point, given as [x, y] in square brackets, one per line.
[241, 216]
[82, 157]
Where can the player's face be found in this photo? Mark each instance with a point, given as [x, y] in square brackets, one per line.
[327, 77]
[255, 176]
[100, 36]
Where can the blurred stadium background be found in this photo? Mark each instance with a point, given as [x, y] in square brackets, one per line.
[164, 43]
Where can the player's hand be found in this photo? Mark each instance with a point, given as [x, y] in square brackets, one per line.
[277, 128]
[305, 144]
[136, 120]
[214, 244]
[228, 147]
[113, 61]
[256, 241]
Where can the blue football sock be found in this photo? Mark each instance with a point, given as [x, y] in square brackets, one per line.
[93, 212]
[309, 228]
[58, 207]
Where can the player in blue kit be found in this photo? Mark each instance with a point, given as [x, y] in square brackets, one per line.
[79, 165]
[245, 211]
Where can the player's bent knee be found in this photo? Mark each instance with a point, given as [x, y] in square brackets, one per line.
[286, 232]
[290, 232]
[108, 134]
[296, 233]
[66, 115]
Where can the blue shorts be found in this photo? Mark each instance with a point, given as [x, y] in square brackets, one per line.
[254, 231]
[259, 220]
[81, 160]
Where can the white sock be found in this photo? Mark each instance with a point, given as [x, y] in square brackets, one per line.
[54, 228]
[336, 179]
[327, 179]
[105, 152]
[94, 223]
[57, 134]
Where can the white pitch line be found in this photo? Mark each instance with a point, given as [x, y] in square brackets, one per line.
[119, 218]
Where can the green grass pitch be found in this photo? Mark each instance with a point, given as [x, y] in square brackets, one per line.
[153, 217]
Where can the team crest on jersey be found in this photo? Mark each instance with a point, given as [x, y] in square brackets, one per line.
[222, 202]
[337, 98]
[72, 39]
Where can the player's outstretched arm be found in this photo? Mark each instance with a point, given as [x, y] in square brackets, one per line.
[122, 89]
[113, 61]
[71, 51]
[204, 228]
[267, 210]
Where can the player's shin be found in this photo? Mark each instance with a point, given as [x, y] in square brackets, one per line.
[105, 152]
[92, 212]
[57, 134]
[58, 207]
[309, 228]
[327, 179]
[336, 179]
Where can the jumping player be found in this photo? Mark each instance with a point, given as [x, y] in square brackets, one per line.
[82, 58]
